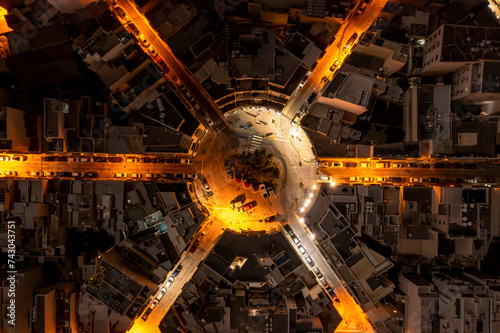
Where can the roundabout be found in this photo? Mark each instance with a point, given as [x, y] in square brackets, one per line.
[248, 131]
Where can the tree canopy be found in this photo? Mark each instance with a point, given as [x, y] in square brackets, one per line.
[258, 165]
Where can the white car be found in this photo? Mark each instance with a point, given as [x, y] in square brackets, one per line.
[161, 293]
[263, 190]
[185, 161]
[302, 250]
[208, 120]
[416, 180]
[169, 282]
[296, 240]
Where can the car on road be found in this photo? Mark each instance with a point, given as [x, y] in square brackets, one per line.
[336, 165]
[263, 190]
[136, 175]
[416, 180]
[151, 175]
[48, 158]
[413, 165]
[352, 179]
[288, 229]
[115, 159]
[335, 65]
[270, 191]
[246, 183]
[362, 8]
[296, 119]
[86, 159]
[121, 12]
[179, 175]
[381, 165]
[65, 174]
[237, 176]
[146, 314]
[134, 29]
[35, 173]
[309, 261]
[367, 179]
[90, 174]
[381, 179]
[161, 293]
[169, 282]
[153, 304]
[4, 158]
[73, 159]
[469, 166]
[229, 174]
[151, 50]
[192, 176]
[425, 166]
[323, 281]
[364, 165]
[350, 164]
[433, 180]
[332, 295]
[301, 249]
[100, 159]
[157, 160]
[350, 42]
[194, 246]
[185, 161]
[132, 160]
[77, 174]
[396, 165]
[19, 158]
[177, 271]
[296, 240]
[50, 173]
[255, 185]
[311, 97]
[303, 109]
[440, 165]
[162, 63]
[120, 175]
[143, 40]
[470, 180]
[488, 180]
[454, 166]
[397, 179]
[246, 207]
[208, 120]
[325, 178]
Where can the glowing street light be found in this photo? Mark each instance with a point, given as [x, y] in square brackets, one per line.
[310, 195]
[301, 220]
[302, 209]
[314, 187]
[332, 184]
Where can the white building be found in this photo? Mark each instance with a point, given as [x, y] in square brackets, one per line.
[477, 82]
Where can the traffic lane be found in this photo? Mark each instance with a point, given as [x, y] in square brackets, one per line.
[354, 316]
[174, 65]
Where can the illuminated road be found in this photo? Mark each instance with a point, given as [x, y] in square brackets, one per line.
[353, 24]
[175, 66]
[297, 165]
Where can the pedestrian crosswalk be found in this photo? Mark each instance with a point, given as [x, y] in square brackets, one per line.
[255, 142]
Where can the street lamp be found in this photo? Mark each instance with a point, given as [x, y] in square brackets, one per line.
[314, 187]
[301, 220]
[332, 184]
